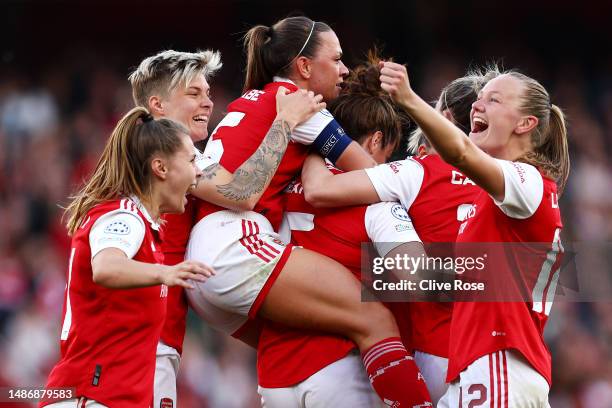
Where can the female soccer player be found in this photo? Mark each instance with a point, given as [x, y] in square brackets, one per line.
[437, 197]
[257, 275]
[301, 368]
[117, 286]
[174, 85]
[517, 153]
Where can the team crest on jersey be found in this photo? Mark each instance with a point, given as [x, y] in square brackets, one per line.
[166, 403]
[117, 228]
[399, 212]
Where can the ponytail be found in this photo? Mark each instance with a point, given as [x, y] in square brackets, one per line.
[272, 50]
[124, 167]
[549, 139]
[256, 73]
[556, 147]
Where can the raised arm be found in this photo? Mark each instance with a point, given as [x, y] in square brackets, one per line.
[242, 189]
[448, 140]
[322, 188]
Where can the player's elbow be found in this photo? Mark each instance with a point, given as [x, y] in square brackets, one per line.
[102, 271]
[246, 205]
[101, 275]
[315, 197]
[457, 154]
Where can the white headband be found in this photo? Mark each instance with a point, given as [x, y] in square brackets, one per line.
[303, 46]
[307, 39]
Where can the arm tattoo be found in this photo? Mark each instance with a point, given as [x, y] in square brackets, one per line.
[251, 177]
[210, 171]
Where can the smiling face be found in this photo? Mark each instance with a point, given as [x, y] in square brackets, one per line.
[496, 114]
[327, 70]
[181, 178]
[191, 106]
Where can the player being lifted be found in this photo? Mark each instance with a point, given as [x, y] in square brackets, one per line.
[257, 275]
[301, 368]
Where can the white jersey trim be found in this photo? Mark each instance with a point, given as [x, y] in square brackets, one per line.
[389, 226]
[397, 181]
[122, 229]
[308, 131]
[68, 316]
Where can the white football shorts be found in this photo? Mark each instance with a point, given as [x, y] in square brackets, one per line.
[247, 256]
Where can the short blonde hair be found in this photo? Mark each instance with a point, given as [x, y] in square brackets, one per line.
[165, 71]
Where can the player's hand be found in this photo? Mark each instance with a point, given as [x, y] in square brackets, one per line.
[297, 107]
[180, 274]
[394, 79]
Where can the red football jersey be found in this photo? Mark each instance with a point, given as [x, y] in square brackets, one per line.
[109, 336]
[528, 214]
[174, 235]
[239, 135]
[437, 197]
[287, 356]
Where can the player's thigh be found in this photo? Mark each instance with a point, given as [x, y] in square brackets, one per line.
[220, 319]
[316, 292]
[433, 369]
[246, 254]
[342, 384]
[526, 387]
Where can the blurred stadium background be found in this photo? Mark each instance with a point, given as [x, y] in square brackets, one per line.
[63, 84]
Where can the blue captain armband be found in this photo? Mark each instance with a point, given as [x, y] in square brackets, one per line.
[332, 141]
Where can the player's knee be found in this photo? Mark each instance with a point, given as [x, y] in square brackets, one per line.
[378, 321]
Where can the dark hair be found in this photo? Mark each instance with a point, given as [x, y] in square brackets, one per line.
[124, 167]
[271, 50]
[363, 107]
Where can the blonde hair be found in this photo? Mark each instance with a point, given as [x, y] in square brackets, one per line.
[124, 167]
[457, 98]
[549, 138]
[165, 71]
